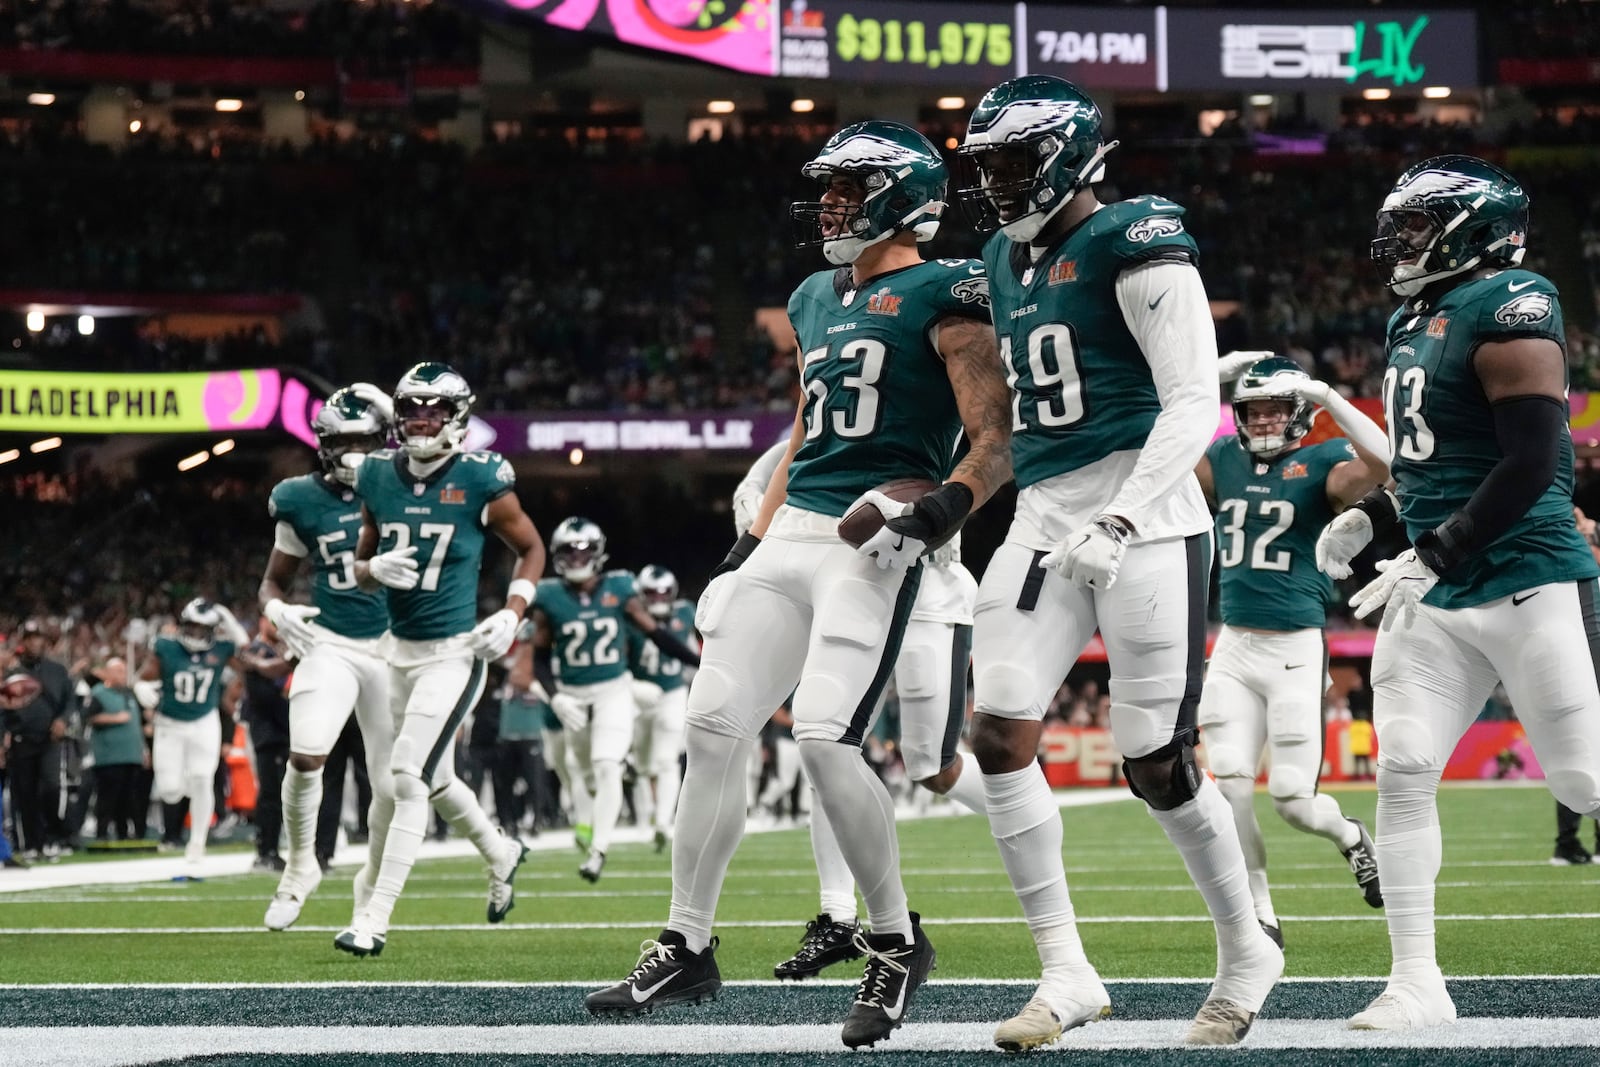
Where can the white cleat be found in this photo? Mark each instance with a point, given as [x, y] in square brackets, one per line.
[1408, 1004]
[362, 938]
[502, 876]
[291, 896]
[1219, 1022]
[1039, 1024]
[1237, 995]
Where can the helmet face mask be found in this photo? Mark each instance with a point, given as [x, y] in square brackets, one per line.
[197, 625]
[431, 405]
[1280, 427]
[1032, 144]
[347, 423]
[879, 180]
[577, 550]
[1447, 216]
[658, 588]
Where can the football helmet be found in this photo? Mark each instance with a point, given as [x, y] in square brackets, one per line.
[197, 624]
[1033, 143]
[577, 549]
[1272, 378]
[431, 405]
[658, 587]
[1448, 215]
[903, 180]
[348, 422]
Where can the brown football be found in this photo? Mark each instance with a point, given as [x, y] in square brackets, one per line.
[18, 690]
[860, 523]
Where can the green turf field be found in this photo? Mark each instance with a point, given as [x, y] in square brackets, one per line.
[1503, 911]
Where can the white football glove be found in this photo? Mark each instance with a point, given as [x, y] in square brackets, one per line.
[1342, 541]
[573, 713]
[887, 548]
[1091, 555]
[147, 693]
[232, 631]
[492, 638]
[1234, 364]
[1312, 390]
[645, 694]
[1401, 583]
[746, 506]
[294, 625]
[376, 397]
[395, 568]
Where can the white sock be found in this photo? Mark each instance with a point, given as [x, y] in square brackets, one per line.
[406, 831]
[578, 787]
[967, 789]
[838, 887]
[1409, 854]
[1320, 815]
[862, 816]
[667, 783]
[302, 797]
[607, 801]
[380, 814]
[1027, 828]
[712, 803]
[1240, 793]
[460, 808]
[1203, 831]
[202, 805]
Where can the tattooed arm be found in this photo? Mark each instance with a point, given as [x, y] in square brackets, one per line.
[973, 362]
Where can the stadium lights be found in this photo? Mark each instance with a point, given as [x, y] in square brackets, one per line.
[135, 126]
[35, 321]
[86, 324]
[575, 457]
[299, 94]
[1437, 92]
[1374, 94]
[951, 103]
[45, 445]
[720, 107]
[222, 447]
[42, 99]
[1260, 99]
[189, 463]
[801, 105]
[952, 143]
[228, 103]
[9, 454]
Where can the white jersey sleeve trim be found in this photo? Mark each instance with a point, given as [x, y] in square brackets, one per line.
[285, 540]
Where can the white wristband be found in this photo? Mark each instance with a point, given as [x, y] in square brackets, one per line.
[523, 588]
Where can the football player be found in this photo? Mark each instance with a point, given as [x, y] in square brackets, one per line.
[580, 650]
[1106, 337]
[1499, 585]
[930, 676]
[335, 640]
[896, 356]
[662, 694]
[187, 745]
[1272, 494]
[427, 508]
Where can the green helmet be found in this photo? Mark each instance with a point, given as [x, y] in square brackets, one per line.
[351, 421]
[903, 179]
[432, 395]
[1058, 126]
[1272, 378]
[1453, 214]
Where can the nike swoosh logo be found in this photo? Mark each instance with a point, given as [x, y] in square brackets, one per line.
[1293, 666]
[900, 543]
[1158, 300]
[644, 993]
[1517, 287]
[899, 1007]
[1523, 599]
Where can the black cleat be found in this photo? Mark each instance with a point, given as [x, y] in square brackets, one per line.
[667, 973]
[591, 868]
[824, 944]
[1274, 933]
[1363, 858]
[1570, 852]
[894, 972]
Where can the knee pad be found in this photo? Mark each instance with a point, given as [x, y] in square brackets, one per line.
[1228, 761]
[1287, 781]
[1143, 713]
[402, 758]
[710, 698]
[1575, 788]
[814, 707]
[1166, 778]
[171, 795]
[1005, 690]
[922, 761]
[1407, 745]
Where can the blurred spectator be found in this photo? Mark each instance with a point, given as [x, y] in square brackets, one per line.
[30, 731]
[265, 710]
[117, 745]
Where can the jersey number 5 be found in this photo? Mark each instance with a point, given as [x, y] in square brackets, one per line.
[1055, 376]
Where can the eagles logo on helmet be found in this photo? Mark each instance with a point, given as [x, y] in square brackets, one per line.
[197, 624]
[1272, 379]
[903, 179]
[431, 405]
[658, 588]
[1446, 216]
[349, 422]
[577, 549]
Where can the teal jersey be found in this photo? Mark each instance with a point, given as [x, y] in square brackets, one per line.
[522, 718]
[326, 517]
[648, 663]
[442, 515]
[589, 630]
[120, 743]
[1441, 430]
[1269, 515]
[191, 682]
[878, 402]
[1081, 387]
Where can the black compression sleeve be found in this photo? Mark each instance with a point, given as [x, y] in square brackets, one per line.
[673, 647]
[1529, 431]
[543, 670]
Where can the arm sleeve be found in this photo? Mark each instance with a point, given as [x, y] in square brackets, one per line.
[543, 671]
[1166, 309]
[760, 473]
[1357, 426]
[673, 647]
